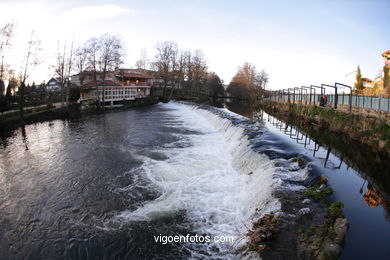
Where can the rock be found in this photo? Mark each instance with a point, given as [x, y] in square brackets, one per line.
[340, 228]
[323, 179]
[382, 144]
[329, 250]
[306, 201]
[304, 252]
[303, 211]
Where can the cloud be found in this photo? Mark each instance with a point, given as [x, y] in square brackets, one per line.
[91, 13]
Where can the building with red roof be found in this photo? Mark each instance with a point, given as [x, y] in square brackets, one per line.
[119, 86]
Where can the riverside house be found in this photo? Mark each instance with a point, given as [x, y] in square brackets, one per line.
[119, 86]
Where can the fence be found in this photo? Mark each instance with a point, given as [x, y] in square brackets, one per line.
[312, 95]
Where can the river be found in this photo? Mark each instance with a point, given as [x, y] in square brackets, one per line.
[106, 186]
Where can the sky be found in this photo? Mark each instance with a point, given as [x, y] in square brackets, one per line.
[296, 42]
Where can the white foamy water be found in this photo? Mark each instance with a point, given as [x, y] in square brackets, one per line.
[218, 181]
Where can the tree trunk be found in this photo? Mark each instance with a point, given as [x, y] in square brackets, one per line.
[21, 101]
[67, 95]
[171, 93]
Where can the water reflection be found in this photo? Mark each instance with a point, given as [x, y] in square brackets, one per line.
[324, 151]
[24, 137]
[335, 151]
[373, 198]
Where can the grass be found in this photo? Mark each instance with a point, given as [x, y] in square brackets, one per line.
[316, 193]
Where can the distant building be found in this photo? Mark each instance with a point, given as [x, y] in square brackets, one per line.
[53, 85]
[119, 85]
[367, 83]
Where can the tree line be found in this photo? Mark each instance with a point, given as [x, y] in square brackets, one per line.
[175, 71]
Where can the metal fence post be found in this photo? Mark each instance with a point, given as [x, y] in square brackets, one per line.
[388, 104]
[371, 101]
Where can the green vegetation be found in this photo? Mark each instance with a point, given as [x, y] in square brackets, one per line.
[358, 83]
[317, 192]
[386, 80]
[300, 161]
[335, 210]
[368, 130]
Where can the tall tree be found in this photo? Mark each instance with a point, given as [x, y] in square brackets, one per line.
[359, 82]
[81, 59]
[199, 71]
[92, 48]
[142, 62]
[31, 59]
[248, 83]
[110, 57]
[61, 70]
[214, 85]
[6, 35]
[178, 72]
[165, 63]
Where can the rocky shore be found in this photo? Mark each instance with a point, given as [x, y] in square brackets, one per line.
[309, 226]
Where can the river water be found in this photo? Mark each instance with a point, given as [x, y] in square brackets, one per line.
[105, 186]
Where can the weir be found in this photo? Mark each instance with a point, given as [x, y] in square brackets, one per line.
[220, 183]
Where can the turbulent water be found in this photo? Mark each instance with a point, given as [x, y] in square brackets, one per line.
[105, 186]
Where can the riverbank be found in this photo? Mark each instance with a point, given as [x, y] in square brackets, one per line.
[311, 226]
[359, 177]
[367, 129]
[12, 120]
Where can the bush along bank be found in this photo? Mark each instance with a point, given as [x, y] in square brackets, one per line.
[310, 226]
[368, 130]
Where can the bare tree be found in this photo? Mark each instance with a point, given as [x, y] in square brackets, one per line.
[178, 71]
[81, 58]
[188, 73]
[69, 67]
[110, 57]
[63, 70]
[31, 59]
[143, 60]
[199, 69]
[92, 48]
[60, 70]
[6, 35]
[165, 62]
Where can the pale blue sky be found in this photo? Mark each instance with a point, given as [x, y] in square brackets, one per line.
[296, 42]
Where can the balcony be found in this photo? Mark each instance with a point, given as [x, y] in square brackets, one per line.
[127, 83]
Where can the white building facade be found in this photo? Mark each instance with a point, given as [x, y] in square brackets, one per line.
[119, 86]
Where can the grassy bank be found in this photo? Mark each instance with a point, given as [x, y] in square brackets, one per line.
[365, 129]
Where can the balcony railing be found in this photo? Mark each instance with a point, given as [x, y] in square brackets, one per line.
[136, 83]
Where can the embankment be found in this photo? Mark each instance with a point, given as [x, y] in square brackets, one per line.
[367, 129]
[13, 120]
